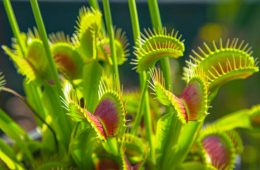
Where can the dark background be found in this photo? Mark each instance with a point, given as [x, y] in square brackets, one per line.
[198, 21]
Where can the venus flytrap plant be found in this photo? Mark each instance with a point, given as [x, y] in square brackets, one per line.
[107, 121]
[156, 45]
[218, 150]
[86, 125]
[26, 63]
[190, 106]
[66, 57]
[108, 117]
[219, 69]
[122, 52]
[88, 28]
[227, 62]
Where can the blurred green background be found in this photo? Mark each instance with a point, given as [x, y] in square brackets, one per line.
[197, 20]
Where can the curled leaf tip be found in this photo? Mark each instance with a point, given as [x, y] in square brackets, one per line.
[155, 45]
[223, 62]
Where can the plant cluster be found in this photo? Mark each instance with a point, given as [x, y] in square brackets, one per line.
[87, 120]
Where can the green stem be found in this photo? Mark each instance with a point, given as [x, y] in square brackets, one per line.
[134, 20]
[155, 14]
[172, 140]
[157, 24]
[148, 127]
[189, 134]
[144, 103]
[14, 25]
[94, 4]
[36, 92]
[136, 30]
[60, 122]
[44, 38]
[110, 30]
[73, 136]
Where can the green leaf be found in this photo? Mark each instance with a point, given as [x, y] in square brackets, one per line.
[56, 115]
[7, 155]
[82, 147]
[193, 165]
[189, 135]
[12, 130]
[9, 162]
[111, 146]
[167, 134]
[91, 78]
[51, 165]
[34, 98]
[239, 119]
[162, 133]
